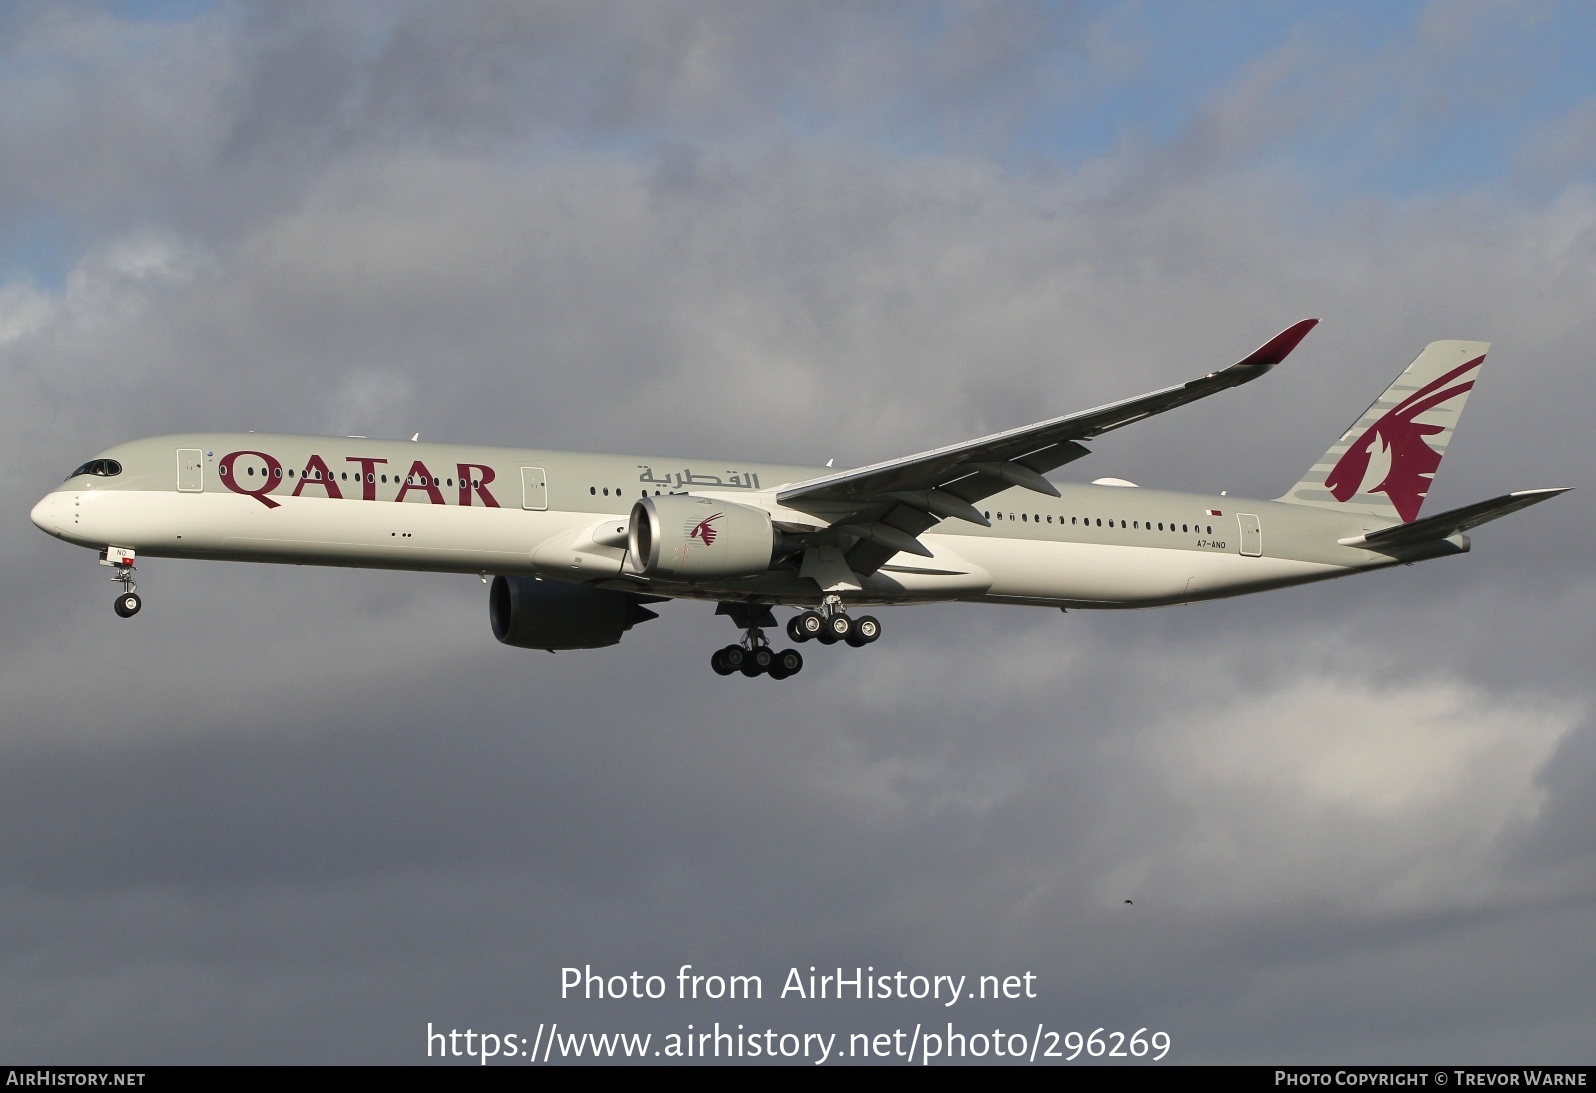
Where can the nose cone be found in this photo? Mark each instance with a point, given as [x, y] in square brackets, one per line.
[48, 513]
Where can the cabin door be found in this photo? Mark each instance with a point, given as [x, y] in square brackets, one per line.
[1251, 535]
[190, 470]
[534, 489]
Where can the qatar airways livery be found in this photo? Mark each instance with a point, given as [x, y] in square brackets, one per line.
[576, 544]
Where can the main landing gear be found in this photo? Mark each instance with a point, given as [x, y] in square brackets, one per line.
[832, 624]
[753, 656]
[758, 660]
[128, 603]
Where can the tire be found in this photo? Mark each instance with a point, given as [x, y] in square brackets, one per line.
[808, 625]
[128, 604]
[790, 661]
[867, 628]
[763, 657]
[734, 657]
[794, 631]
[839, 628]
[718, 662]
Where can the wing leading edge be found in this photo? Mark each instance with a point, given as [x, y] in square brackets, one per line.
[886, 505]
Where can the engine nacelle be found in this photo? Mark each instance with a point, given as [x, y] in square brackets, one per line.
[550, 615]
[692, 537]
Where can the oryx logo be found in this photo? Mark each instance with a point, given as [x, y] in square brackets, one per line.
[1392, 453]
[704, 529]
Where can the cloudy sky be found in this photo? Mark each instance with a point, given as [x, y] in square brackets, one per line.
[295, 815]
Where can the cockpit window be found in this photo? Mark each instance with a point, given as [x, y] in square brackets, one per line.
[103, 468]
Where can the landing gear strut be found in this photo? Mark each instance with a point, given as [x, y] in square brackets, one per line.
[831, 624]
[753, 656]
[121, 560]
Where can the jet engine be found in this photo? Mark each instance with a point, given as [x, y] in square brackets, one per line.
[691, 537]
[550, 615]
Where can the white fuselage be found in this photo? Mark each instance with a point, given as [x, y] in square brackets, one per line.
[562, 516]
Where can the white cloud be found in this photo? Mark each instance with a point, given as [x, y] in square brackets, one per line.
[1336, 797]
[23, 309]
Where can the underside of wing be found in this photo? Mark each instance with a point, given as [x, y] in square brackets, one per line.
[885, 506]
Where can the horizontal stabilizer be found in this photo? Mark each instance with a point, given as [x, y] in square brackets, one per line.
[1446, 524]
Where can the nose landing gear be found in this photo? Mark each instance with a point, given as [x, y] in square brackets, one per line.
[121, 560]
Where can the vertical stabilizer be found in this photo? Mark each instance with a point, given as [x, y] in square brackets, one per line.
[1384, 464]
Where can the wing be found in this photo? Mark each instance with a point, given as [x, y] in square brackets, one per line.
[886, 505]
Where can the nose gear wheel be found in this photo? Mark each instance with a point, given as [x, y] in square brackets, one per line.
[128, 603]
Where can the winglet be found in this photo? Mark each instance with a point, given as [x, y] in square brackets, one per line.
[1279, 347]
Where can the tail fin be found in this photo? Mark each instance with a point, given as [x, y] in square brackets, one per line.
[1383, 465]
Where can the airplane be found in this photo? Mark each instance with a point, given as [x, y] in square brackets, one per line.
[578, 544]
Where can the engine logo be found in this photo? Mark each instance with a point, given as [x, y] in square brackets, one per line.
[703, 530]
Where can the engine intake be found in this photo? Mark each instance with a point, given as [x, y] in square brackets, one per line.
[535, 614]
[694, 537]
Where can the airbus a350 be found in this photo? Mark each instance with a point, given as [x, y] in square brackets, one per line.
[577, 545]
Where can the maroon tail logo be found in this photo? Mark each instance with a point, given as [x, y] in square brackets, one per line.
[704, 531]
[1406, 463]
